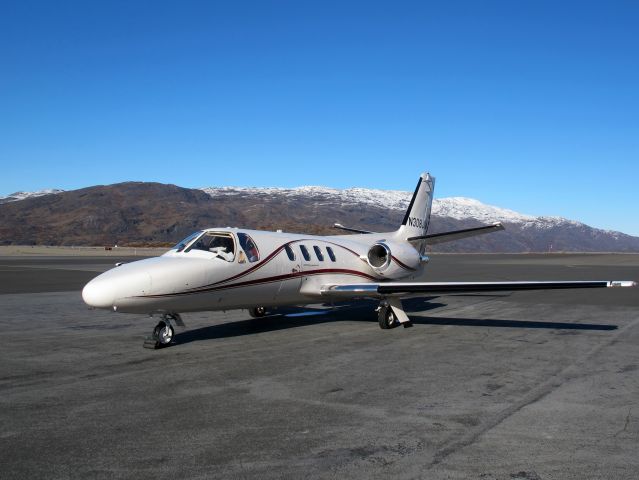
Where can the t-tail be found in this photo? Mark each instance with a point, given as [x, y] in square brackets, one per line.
[414, 228]
[417, 216]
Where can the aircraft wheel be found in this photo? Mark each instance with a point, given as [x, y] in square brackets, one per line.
[163, 333]
[257, 312]
[386, 318]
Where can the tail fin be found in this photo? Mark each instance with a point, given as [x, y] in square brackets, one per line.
[417, 216]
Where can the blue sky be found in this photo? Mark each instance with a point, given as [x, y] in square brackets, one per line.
[528, 105]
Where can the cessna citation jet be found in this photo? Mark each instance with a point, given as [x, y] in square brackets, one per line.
[234, 268]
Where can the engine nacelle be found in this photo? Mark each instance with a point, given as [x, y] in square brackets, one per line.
[393, 260]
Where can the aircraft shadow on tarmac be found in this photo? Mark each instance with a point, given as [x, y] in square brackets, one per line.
[293, 317]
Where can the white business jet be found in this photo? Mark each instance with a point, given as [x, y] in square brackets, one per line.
[234, 268]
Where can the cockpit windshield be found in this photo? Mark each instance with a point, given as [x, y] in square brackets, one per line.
[183, 243]
[219, 243]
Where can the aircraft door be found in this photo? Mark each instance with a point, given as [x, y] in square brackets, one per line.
[291, 271]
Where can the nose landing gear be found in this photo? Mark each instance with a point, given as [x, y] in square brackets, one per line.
[163, 333]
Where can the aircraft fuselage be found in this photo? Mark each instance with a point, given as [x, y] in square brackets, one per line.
[289, 270]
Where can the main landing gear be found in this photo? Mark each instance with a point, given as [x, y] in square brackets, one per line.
[164, 332]
[390, 314]
[257, 312]
[386, 317]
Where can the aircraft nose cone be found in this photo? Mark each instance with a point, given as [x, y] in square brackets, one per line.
[99, 293]
[118, 286]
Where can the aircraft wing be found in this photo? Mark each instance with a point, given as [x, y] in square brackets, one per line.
[435, 238]
[384, 289]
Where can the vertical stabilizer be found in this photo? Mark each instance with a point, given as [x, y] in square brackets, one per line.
[417, 216]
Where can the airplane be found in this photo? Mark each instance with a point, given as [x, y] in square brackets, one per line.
[236, 268]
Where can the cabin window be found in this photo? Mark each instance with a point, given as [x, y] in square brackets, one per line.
[289, 252]
[318, 252]
[219, 244]
[331, 254]
[249, 247]
[305, 253]
[181, 245]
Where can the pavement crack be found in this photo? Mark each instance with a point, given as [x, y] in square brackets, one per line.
[625, 426]
[568, 373]
[470, 438]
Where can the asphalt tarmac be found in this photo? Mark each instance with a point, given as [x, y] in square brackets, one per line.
[526, 385]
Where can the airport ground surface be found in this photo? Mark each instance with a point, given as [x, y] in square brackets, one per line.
[529, 385]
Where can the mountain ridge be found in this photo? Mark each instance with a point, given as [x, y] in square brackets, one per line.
[154, 212]
[460, 208]
[392, 199]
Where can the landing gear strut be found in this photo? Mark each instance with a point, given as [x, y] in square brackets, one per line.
[163, 333]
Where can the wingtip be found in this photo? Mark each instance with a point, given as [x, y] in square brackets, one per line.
[622, 283]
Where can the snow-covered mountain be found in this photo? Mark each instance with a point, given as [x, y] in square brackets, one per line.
[391, 199]
[17, 196]
[153, 212]
[370, 208]
[459, 208]
[462, 208]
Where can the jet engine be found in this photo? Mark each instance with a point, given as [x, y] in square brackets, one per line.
[393, 260]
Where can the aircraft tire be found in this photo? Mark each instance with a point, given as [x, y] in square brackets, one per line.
[386, 318]
[163, 333]
[257, 312]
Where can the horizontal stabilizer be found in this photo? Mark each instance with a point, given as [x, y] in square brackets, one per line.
[434, 238]
[403, 288]
[339, 226]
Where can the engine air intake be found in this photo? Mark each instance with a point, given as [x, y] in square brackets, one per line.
[379, 256]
